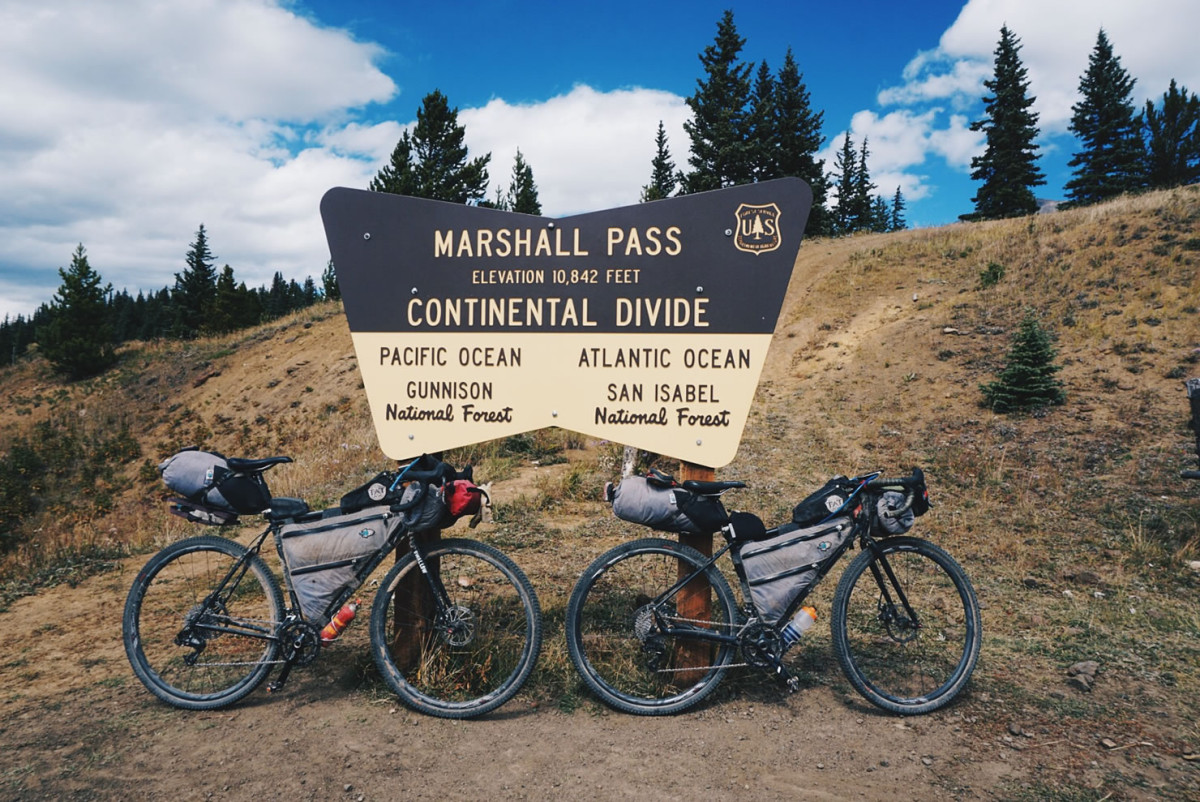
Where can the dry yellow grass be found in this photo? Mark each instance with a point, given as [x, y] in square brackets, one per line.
[1073, 524]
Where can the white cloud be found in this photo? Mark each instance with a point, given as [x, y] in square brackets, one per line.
[942, 89]
[588, 150]
[1155, 40]
[898, 143]
[126, 124]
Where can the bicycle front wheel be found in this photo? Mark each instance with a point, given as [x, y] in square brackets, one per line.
[907, 640]
[617, 622]
[199, 623]
[472, 656]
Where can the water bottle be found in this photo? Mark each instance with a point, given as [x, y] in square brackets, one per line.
[339, 622]
[795, 629]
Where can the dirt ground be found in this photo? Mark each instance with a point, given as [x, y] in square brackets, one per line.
[76, 724]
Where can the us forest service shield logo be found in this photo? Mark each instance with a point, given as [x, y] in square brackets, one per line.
[757, 228]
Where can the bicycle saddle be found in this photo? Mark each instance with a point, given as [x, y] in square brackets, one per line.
[710, 488]
[254, 465]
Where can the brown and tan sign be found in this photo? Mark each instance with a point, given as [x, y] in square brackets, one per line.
[647, 325]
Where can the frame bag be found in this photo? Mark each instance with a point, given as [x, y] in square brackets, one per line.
[324, 553]
[781, 568]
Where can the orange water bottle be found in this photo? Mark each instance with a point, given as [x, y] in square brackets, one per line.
[339, 622]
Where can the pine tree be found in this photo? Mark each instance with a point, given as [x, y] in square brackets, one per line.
[845, 167]
[663, 178]
[432, 162]
[1172, 139]
[1027, 380]
[864, 209]
[1110, 162]
[329, 283]
[798, 138]
[896, 221]
[880, 216]
[226, 308]
[522, 192]
[195, 288]
[398, 176]
[1008, 166]
[276, 301]
[718, 128]
[78, 339]
[762, 135]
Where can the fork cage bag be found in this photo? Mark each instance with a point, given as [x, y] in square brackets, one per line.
[781, 568]
[325, 551]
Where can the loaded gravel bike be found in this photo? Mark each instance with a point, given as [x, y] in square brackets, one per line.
[653, 625]
[455, 626]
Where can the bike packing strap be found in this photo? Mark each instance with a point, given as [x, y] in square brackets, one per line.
[324, 550]
[781, 568]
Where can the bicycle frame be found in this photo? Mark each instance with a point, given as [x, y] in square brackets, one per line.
[228, 585]
[863, 520]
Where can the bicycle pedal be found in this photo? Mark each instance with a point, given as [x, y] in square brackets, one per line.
[793, 684]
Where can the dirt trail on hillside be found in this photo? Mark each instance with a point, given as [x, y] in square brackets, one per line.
[75, 724]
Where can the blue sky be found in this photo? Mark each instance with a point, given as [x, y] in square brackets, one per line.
[124, 124]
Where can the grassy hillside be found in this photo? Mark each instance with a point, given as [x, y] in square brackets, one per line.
[1072, 521]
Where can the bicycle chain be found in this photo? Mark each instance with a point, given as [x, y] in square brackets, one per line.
[677, 618]
[247, 662]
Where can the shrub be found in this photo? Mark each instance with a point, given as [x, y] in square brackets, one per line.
[1027, 381]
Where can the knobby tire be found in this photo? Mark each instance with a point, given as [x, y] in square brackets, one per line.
[895, 665]
[217, 666]
[472, 658]
[618, 648]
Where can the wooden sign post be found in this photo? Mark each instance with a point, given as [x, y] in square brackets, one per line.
[695, 600]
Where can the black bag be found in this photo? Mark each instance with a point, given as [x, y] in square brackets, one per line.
[380, 490]
[781, 568]
[422, 507]
[651, 502]
[205, 478]
[886, 521]
[825, 503]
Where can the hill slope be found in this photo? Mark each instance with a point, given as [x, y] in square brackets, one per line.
[1072, 522]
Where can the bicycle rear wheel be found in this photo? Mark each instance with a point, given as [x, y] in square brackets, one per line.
[906, 662]
[615, 629]
[470, 658]
[190, 646]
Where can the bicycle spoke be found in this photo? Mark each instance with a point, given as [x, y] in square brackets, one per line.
[910, 658]
[620, 638]
[190, 646]
[469, 657]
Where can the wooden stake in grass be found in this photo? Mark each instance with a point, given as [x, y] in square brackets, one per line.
[695, 599]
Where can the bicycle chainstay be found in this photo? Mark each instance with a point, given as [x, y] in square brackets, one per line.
[681, 619]
[277, 626]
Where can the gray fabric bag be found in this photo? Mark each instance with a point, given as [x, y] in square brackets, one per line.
[427, 512]
[667, 509]
[780, 568]
[324, 554]
[638, 501]
[205, 477]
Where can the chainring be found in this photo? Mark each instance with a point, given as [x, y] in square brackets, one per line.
[301, 642]
[761, 645]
